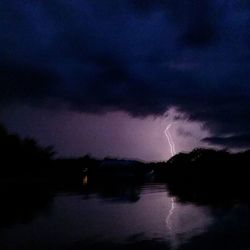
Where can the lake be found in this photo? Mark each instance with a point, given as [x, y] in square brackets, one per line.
[120, 215]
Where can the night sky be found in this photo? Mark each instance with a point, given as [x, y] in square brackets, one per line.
[105, 77]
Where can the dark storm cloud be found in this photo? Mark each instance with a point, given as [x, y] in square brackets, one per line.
[138, 56]
[239, 141]
[196, 19]
[34, 84]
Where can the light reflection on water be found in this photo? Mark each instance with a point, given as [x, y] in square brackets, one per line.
[185, 222]
[115, 214]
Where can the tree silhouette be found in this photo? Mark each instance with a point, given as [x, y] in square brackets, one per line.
[17, 154]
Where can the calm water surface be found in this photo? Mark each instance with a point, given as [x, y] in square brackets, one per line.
[114, 216]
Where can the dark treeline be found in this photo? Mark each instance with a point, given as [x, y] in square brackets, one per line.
[13, 148]
[208, 176]
[203, 175]
[26, 158]
[19, 155]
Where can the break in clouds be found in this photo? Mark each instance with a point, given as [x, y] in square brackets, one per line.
[142, 57]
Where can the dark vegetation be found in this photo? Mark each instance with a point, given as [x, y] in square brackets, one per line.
[203, 175]
[207, 176]
[20, 156]
[25, 158]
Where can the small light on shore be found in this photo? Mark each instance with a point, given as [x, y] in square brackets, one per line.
[85, 180]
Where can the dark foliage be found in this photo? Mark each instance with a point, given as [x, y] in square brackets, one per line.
[21, 155]
[203, 175]
[206, 176]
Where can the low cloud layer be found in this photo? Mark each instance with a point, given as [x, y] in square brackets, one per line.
[142, 57]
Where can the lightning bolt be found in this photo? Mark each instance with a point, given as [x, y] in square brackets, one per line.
[170, 139]
[173, 152]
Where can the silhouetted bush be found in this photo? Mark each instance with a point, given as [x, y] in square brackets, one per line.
[206, 175]
[21, 155]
